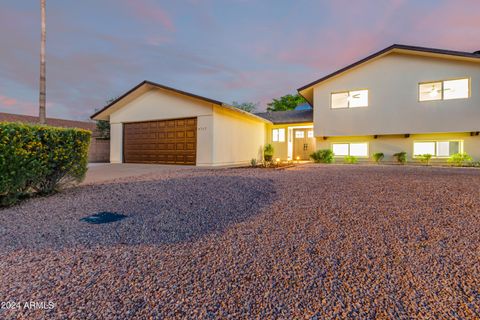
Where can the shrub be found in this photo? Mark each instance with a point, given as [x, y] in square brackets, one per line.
[425, 158]
[323, 156]
[350, 159]
[378, 156]
[460, 159]
[268, 152]
[103, 128]
[36, 158]
[401, 157]
[253, 162]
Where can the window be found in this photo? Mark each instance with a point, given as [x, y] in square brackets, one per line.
[278, 135]
[349, 99]
[350, 149]
[444, 90]
[310, 133]
[359, 149]
[456, 89]
[430, 91]
[340, 149]
[437, 148]
[299, 134]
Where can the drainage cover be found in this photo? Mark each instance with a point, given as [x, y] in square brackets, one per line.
[103, 217]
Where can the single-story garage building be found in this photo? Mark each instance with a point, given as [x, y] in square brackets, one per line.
[153, 123]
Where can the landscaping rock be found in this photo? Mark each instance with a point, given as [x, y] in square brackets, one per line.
[313, 242]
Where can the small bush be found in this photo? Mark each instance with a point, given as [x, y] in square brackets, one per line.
[401, 157]
[323, 156]
[425, 158]
[268, 152]
[36, 158]
[103, 128]
[350, 159]
[253, 162]
[378, 157]
[460, 159]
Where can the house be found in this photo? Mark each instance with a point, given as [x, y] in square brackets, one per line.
[403, 98]
[99, 150]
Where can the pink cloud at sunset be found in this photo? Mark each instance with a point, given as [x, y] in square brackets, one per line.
[229, 51]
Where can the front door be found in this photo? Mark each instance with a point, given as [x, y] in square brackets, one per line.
[303, 143]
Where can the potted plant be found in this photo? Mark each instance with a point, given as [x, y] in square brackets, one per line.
[268, 152]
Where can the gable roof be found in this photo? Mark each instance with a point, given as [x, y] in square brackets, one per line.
[401, 48]
[290, 116]
[151, 84]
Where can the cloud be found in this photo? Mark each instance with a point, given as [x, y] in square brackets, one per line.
[147, 11]
[6, 101]
[13, 105]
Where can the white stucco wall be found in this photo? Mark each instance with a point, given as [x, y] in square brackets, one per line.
[224, 137]
[397, 143]
[394, 108]
[237, 139]
[116, 143]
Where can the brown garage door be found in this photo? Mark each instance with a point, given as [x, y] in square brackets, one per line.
[166, 141]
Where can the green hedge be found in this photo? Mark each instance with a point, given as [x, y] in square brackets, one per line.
[40, 159]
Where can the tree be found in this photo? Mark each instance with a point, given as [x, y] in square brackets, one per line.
[245, 106]
[43, 94]
[103, 126]
[287, 102]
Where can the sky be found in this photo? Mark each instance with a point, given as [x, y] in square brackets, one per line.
[229, 50]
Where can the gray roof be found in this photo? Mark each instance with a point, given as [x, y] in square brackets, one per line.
[291, 116]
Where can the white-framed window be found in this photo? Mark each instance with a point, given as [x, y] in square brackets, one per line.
[275, 135]
[299, 134]
[437, 148]
[357, 149]
[444, 90]
[310, 133]
[278, 135]
[349, 99]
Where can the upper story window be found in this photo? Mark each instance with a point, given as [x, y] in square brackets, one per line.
[444, 90]
[278, 135]
[349, 99]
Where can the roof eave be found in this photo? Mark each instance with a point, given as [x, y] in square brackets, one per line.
[400, 47]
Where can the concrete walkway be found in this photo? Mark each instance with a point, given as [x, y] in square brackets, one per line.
[103, 172]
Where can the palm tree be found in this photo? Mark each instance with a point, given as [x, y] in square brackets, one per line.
[42, 98]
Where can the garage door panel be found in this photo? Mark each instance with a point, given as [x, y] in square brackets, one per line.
[166, 141]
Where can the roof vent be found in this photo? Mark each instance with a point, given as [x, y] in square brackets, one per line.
[477, 53]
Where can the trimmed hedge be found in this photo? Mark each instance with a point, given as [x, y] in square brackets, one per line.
[41, 159]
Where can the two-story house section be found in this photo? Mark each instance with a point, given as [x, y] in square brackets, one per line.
[403, 98]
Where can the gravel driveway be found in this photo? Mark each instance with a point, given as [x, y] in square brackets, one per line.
[309, 242]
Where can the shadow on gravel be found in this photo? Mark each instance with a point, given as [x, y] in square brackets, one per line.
[158, 212]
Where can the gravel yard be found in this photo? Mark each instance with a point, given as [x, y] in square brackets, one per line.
[310, 242]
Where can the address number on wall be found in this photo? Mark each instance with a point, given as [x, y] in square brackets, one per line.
[202, 129]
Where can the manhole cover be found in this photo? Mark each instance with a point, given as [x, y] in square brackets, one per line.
[103, 217]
